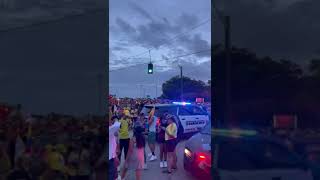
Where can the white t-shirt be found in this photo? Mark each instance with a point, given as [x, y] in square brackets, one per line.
[152, 126]
[112, 139]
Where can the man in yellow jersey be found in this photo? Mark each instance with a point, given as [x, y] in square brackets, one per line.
[124, 140]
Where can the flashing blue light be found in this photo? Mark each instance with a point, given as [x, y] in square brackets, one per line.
[182, 103]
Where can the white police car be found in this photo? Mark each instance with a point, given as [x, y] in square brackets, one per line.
[190, 118]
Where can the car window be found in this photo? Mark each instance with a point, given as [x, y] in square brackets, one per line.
[191, 110]
[255, 155]
[160, 110]
[184, 111]
[170, 109]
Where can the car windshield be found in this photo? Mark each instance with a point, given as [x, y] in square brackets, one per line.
[206, 129]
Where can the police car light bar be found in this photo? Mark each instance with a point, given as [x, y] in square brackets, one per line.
[182, 103]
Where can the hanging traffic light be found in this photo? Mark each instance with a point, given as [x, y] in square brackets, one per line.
[150, 68]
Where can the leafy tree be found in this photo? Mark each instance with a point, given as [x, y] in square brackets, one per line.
[191, 88]
[259, 85]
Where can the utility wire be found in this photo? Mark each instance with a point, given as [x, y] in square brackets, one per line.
[184, 55]
[170, 40]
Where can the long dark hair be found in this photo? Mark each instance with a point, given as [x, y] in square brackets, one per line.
[138, 133]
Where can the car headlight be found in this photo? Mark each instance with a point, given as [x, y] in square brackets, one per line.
[188, 153]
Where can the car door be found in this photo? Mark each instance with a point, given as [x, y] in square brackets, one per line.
[192, 118]
[256, 160]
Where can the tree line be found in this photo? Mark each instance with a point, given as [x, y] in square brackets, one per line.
[263, 86]
[259, 87]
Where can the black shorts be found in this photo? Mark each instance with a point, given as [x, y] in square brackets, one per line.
[161, 138]
[171, 145]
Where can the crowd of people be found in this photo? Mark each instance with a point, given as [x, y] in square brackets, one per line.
[52, 147]
[131, 132]
[138, 103]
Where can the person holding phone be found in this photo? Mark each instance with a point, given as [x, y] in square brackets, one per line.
[161, 140]
[171, 142]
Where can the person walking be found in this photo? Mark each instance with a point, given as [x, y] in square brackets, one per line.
[140, 123]
[171, 142]
[152, 135]
[161, 141]
[135, 159]
[124, 139]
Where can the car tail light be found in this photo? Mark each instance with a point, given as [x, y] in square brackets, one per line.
[202, 156]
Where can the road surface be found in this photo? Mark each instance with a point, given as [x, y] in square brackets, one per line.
[154, 172]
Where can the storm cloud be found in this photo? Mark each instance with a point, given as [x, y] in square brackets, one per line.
[280, 29]
[167, 28]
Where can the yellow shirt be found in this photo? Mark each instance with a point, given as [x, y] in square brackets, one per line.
[126, 112]
[55, 161]
[172, 130]
[124, 129]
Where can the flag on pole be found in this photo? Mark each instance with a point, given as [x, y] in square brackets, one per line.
[151, 114]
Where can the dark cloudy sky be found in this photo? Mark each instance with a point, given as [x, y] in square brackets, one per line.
[52, 67]
[278, 28]
[136, 26]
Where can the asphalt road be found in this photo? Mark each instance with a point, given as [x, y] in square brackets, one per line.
[154, 172]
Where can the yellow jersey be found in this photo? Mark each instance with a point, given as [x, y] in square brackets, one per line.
[124, 128]
[172, 130]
